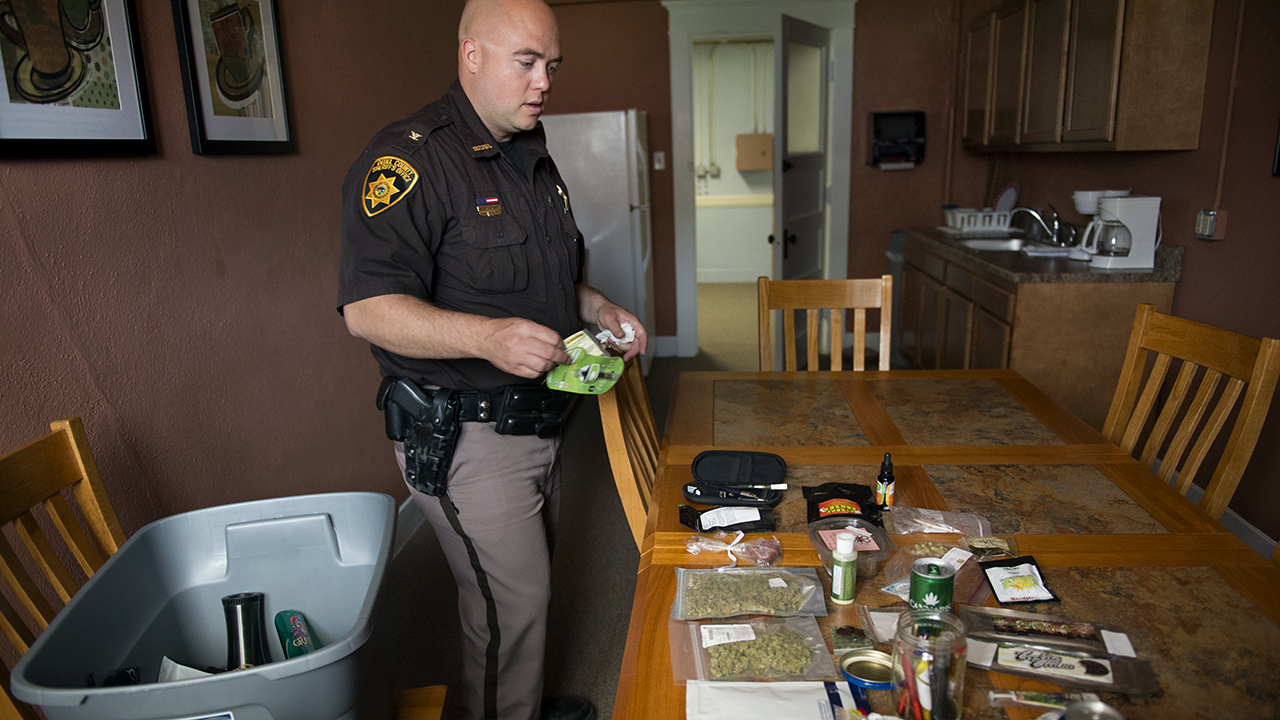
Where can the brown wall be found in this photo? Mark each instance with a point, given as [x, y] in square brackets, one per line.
[184, 305]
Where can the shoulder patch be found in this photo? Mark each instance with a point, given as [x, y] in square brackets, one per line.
[388, 181]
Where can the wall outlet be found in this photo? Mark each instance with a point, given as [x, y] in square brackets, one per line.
[1211, 225]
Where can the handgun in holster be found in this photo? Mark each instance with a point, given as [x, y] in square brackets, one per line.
[428, 426]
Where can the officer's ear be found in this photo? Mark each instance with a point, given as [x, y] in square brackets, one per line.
[469, 54]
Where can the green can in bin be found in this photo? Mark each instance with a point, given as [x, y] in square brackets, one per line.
[295, 635]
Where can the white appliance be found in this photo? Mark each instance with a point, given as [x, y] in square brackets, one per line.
[1141, 214]
[603, 158]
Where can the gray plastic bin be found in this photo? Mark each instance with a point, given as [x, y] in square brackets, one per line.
[324, 555]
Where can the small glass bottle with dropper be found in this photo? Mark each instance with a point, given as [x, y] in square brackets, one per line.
[884, 483]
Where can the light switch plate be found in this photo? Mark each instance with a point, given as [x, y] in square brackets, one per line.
[659, 160]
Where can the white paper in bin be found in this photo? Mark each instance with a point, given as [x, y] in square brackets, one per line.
[160, 594]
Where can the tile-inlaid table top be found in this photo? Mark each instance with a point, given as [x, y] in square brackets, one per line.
[1118, 545]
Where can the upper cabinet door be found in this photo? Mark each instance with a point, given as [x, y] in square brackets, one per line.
[1010, 41]
[1049, 25]
[978, 67]
[1093, 70]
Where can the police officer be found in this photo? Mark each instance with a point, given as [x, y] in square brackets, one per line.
[461, 265]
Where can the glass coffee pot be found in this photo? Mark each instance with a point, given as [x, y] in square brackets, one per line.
[1107, 237]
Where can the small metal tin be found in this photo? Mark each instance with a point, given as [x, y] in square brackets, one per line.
[1091, 710]
[868, 668]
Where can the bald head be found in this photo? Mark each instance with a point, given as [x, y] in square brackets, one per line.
[508, 51]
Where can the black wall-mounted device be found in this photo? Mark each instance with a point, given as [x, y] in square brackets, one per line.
[895, 140]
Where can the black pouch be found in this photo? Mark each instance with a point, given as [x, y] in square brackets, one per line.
[693, 518]
[726, 477]
[531, 410]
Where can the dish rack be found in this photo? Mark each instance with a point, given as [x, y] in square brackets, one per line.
[977, 220]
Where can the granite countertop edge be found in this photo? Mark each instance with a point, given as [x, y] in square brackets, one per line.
[1022, 268]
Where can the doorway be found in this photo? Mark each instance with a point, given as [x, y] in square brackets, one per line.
[695, 23]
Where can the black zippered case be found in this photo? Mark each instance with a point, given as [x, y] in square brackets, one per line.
[722, 477]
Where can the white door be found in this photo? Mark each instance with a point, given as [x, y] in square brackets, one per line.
[802, 53]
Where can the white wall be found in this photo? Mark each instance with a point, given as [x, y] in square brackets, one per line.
[734, 213]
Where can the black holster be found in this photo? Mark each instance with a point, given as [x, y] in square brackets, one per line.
[427, 425]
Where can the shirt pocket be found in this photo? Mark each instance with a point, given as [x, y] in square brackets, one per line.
[496, 254]
[575, 245]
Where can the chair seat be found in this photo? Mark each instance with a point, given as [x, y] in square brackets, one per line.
[422, 703]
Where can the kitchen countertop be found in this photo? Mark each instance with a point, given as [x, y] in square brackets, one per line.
[1018, 267]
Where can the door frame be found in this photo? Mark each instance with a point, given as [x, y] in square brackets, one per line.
[696, 19]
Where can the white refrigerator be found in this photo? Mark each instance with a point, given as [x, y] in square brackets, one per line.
[603, 158]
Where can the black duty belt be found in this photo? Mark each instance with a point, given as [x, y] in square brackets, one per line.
[427, 421]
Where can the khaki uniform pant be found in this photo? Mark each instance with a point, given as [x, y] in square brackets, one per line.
[506, 491]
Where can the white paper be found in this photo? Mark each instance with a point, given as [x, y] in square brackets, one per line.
[722, 634]
[1118, 644]
[777, 582]
[171, 671]
[981, 653]
[957, 557]
[725, 516]
[718, 700]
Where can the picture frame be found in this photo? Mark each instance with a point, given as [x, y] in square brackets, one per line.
[232, 73]
[78, 92]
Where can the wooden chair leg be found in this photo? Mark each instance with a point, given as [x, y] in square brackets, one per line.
[423, 703]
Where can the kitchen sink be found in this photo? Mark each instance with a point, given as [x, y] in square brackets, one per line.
[989, 244]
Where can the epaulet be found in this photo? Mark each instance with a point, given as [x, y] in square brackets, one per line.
[411, 136]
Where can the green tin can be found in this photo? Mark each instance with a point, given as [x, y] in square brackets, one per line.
[933, 584]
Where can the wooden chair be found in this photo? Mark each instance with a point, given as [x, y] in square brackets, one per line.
[1250, 367]
[424, 703]
[35, 475]
[631, 438]
[834, 295]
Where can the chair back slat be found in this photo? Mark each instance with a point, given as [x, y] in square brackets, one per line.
[24, 587]
[1173, 456]
[832, 297]
[77, 541]
[631, 440]
[45, 557]
[1170, 410]
[17, 632]
[811, 334]
[1250, 368]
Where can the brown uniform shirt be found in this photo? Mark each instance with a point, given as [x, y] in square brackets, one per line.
[434, 209]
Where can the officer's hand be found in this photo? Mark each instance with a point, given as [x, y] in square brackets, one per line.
[611, 318]
[523, 347]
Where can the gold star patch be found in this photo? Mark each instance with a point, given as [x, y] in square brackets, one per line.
[388, 181]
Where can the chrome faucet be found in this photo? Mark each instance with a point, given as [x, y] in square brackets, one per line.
[1057, 232]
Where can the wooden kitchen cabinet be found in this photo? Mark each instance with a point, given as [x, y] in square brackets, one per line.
[1061, 324]
[978, 66]
[1094, 75]
[1009, 55]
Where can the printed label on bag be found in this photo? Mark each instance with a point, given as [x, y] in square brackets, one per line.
[726, 516]
[722, 634]
[777, 582]
[1054, 663]
[862, 539]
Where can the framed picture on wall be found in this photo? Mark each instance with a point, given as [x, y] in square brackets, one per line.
[232, 73]
[74, 81]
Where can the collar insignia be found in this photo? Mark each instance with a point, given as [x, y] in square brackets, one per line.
[478, 148]
[415, 135]
[388, 181]
[488, 206]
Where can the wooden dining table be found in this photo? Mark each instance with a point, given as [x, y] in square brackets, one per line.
[1114, 543]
